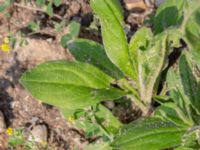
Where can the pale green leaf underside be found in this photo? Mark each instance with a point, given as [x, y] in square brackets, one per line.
[114, 38]
[93, 53]
[139, 42]
[151, 134]
[151, 61]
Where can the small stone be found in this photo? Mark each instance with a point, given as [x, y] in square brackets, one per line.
[135, 5]
[159, 2]
[38, 134]
[75, 7]
[135, 19]
[2, 123]
[127, 29]
[109, 104]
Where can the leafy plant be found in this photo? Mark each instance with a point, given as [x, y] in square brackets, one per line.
[135, 70]
[48, 5]
[17, 140]
[74, 29]
[5, 6]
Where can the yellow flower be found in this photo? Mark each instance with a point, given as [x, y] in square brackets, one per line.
[44, 143]
[5, 47]
[6, 40]
[9, 131]
[71, 119]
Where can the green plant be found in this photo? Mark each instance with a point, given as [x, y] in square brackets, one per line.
[47, 6]
[17, 139]
[4, 7]
[135, 70]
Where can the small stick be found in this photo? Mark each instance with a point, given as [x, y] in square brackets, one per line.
[35, 9]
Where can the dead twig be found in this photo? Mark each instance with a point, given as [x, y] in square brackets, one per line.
[35, 9]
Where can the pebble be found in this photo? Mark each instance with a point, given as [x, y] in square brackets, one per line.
[159, 2]
[38, 134]
[135, 5]
[109, 104]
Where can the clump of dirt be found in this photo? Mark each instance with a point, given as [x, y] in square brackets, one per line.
[19, 107]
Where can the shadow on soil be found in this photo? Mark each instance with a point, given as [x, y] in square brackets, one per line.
[12, 74]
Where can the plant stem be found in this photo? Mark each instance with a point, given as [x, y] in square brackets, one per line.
[134, 96]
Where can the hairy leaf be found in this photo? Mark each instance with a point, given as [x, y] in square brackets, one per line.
[170, 13]
[139, 42]
[93, 53]
[150, 63]
[151, 134]
[114, 38]
[107, 120]
[191, 27]
[69, 85]
[184, 90]
[191, 138]
[172, 112]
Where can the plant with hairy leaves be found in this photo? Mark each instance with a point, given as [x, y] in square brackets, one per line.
[136, 70]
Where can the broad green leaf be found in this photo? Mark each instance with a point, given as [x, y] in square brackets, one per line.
[170, 13]
[184, 88]
[171, 112]
[139, 42]
[116, 8]
[151, 61]
[179, 98]
[190, 81]
[69, 85]
[114, 38]
[191, 27]
[91, 52]
[68, 72]
[106, 119]
[151, 134]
